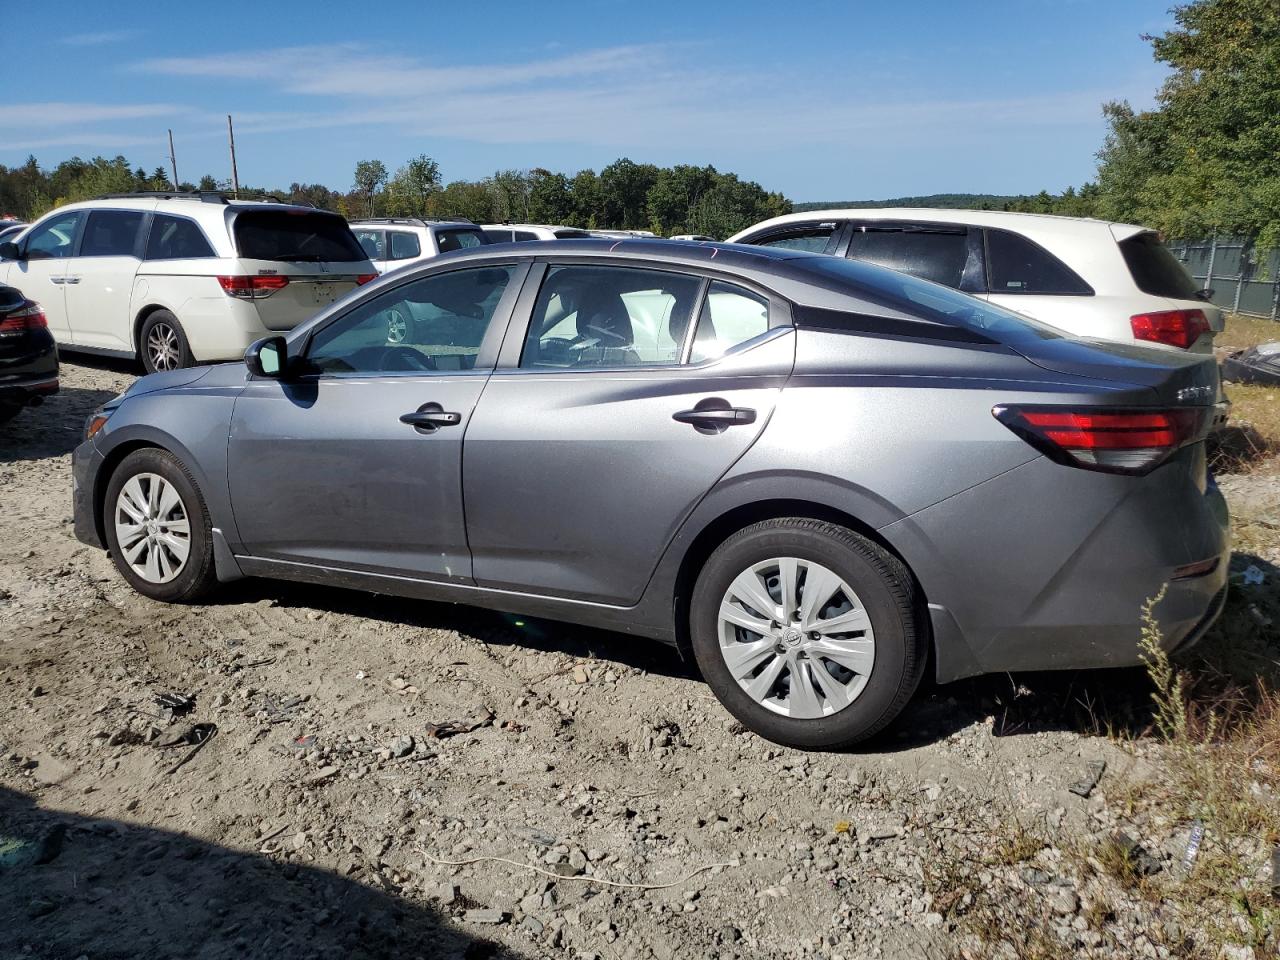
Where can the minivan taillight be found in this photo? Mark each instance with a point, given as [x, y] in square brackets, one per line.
[253, 287]
[1177, 328]
[30, 317]
[364, 278]
[1132, 440]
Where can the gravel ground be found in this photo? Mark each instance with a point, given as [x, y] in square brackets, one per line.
[359, 740]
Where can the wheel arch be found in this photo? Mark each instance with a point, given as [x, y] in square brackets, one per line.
[110, 461]
[139, 319]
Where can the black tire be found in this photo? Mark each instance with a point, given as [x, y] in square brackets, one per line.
[162, 329]
[886, 590]
[197, 577]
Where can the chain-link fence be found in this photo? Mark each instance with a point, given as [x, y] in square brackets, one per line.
[1242, 279]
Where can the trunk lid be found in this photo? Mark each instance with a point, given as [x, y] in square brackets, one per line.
[311, 287]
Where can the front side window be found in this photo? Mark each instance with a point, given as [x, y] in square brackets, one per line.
[436, 323]
[589, 316]
[730, 316]
[53, 238]
[176, 238]
[812, 238]
[937, 254]
[449, 240]
[296, 236]
[1016, 265]
[372, 242]
[404, 246]
[111, 233]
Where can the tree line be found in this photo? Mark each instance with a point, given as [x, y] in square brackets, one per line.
[624, 195]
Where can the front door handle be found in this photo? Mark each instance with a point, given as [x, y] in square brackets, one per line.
[70, 279]
[430, 417]
[715, 415]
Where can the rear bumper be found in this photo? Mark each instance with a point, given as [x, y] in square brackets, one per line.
[1055, 563]
[28, 367]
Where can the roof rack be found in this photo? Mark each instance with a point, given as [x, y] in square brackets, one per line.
[207, 196]
[415, 221]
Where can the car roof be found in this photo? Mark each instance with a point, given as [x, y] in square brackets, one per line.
[1020, 222]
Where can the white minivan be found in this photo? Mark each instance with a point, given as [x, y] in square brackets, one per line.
[177, 279]
[1091, 278]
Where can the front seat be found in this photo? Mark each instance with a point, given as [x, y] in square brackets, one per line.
[605, 332]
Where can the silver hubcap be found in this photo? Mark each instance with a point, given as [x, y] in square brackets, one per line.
[152, 528]
[162, 347]
[397, 327]
[796, 638]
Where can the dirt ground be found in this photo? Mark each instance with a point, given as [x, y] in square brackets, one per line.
[358, 740]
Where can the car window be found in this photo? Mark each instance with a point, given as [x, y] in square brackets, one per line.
[111, 233]
[404, 246]
[523, 235]
[937, 254]
[435, 323]
[812, 239]
[176, 238]
[460, 239]
[1017, 265]
[296, 236]
[498, 234]
[1155, 270]
[730, 316]
[588, 316]
[372, 242]
[571, 234]
[53, 238]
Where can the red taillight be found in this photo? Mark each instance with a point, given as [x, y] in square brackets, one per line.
[365, 278]
[1177, 328]
[30, 317]
[254, 287]
[1115, 441]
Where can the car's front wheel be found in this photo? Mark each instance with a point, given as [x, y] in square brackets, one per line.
[163, 343]
[807, 632]
[158, 528]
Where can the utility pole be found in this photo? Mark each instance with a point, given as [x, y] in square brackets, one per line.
[235, 176]
[173, 161]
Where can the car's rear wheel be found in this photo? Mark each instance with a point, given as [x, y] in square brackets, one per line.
[808, 632]
[158, 528]
[163, 343]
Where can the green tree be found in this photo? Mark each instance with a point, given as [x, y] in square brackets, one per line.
[462, 199]
[550, 197]
[674, 195]
[369, 176]
[410, 189]
[624, 187]
[585, 197]
[1207, 157]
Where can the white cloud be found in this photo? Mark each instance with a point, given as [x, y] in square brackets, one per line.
[97, 39]
[59, 114]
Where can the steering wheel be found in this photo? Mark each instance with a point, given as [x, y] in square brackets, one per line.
[405, 358]
[557, 350]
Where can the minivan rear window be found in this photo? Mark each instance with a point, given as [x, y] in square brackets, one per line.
[1155, 270]
[295, 236]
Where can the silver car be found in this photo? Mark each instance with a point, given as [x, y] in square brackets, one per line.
[817, 477]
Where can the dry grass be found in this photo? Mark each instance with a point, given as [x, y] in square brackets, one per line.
[1242, 332]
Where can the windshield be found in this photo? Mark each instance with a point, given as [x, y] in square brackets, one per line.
[297, 236]
[923, 299]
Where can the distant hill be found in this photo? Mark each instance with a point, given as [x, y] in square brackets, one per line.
[947, 201]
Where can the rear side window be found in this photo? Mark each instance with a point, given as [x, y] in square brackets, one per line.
[812, 238]
[1155, 270]
[571, 234]
[498, 235]
[295, 236]
[730, 316]
[111, 233]
[372, 242]
[523, 235]
[1016, 265]
[404, 246]
[940, 255]
[460, 239]
[173, 238]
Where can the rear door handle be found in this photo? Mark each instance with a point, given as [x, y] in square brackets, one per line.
[429, 417]
[58, 280]
[715, 416]
[70, 279]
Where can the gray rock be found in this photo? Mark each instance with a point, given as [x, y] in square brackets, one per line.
[485, 915]
[400, 747]
[1064, 901]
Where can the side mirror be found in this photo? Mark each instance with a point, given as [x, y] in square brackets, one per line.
[267, 357]
[9, 251]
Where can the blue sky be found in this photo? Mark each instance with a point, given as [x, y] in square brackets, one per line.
[819, 99]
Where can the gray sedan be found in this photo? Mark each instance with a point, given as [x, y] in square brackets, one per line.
[817, 477]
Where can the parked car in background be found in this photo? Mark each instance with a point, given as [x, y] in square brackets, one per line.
[692, 236]
[826, 476]
[394, 242]
[622, 234]
[28, 355]
[10, 229]
[1090, 278]
[176, 279]
[517, 232]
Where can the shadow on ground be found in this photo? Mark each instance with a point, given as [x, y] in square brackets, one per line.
[72, 885]
[52, 429]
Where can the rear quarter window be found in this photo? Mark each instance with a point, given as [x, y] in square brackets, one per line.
[295, 236]
[460, 239]
[175, 238]
[1018, 265]
[1155, 270]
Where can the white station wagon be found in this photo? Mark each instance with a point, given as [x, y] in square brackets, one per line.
[177, 279]
[1091, 278]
